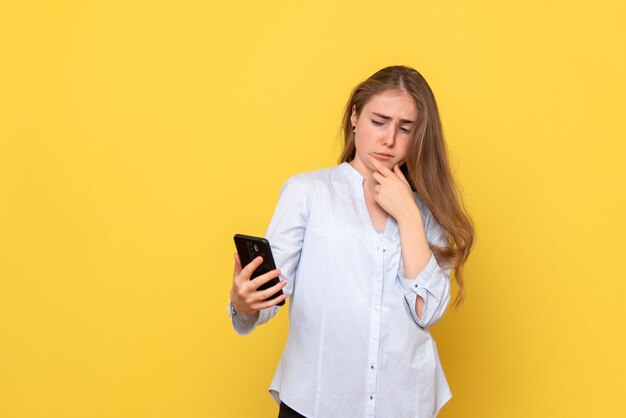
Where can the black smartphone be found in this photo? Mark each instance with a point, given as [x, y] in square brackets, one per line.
[249, 248]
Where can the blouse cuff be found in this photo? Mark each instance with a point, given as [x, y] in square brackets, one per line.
[419, 282]
[425, 287]
[242, 322]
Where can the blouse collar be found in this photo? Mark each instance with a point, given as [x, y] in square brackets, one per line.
[356, 182]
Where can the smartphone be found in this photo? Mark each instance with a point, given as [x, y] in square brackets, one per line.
[249, 248]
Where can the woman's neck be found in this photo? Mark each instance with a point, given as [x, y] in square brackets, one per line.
[368, 179]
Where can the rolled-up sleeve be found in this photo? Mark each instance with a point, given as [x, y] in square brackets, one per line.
[243, 324]
[285, 235]
[432, 284]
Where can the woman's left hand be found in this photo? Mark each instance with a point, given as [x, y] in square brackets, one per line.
[393, 192]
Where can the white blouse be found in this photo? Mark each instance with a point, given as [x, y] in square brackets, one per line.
[356, 347]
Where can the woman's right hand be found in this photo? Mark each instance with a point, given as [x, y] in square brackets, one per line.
[244, 295]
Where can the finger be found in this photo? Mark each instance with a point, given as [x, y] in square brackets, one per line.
[379, 166]
[247, 271]
[237, 269]
[269, 303]
[264, 294]
[377, 188]
[374, 162]
[378, 178]
[399, 173]
[264, 278]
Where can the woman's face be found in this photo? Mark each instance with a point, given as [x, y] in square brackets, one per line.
[383, 129]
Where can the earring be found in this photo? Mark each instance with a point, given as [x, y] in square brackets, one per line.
[353, 128]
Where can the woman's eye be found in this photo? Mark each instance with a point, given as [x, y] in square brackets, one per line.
[377, 123]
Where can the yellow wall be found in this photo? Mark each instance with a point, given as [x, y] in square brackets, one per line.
[138, 137]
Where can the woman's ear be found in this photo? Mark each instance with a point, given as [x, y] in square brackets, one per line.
[353, 117]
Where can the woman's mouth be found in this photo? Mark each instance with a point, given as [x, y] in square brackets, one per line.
[382, 156]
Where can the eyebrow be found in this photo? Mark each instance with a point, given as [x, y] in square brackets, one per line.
[389, 118]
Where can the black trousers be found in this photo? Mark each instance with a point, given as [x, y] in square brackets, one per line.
[286, 412]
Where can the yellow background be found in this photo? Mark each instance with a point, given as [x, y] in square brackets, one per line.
[138, 137]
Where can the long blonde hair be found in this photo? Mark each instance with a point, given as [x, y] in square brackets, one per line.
[427, 167]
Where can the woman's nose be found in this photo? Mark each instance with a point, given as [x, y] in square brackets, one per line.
[389, 138]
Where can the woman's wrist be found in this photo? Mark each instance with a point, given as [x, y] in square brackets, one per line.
[234, 311]
[410, 217]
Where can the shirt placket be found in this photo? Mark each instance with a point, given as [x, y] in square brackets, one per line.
[375, 328]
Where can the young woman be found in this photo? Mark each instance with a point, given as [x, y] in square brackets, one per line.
[364, 251]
